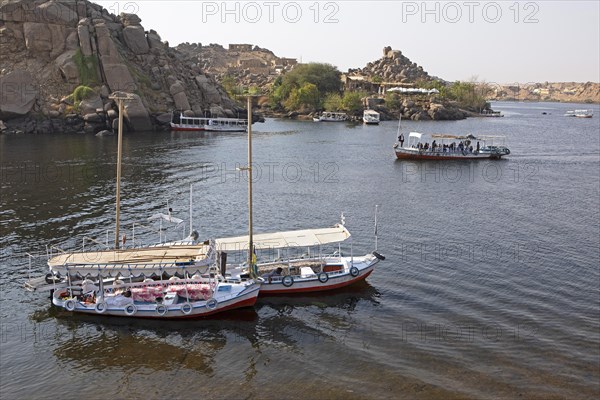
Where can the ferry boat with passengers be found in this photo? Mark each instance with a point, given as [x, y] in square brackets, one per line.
[450, 147]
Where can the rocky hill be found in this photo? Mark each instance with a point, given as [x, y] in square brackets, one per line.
[568, 92]
[62, 60]
[393, 67]
[248, 65]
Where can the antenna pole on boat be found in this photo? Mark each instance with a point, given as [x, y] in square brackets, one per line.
[191, 207]
[120, 97]
[376, 209]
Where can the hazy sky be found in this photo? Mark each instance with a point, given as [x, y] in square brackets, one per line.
[497, 41]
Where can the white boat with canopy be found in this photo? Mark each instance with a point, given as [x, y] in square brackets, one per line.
[371, 117]
[157, 282]
[451, 147]
[285, 271]
[183, 123]
[331, 116]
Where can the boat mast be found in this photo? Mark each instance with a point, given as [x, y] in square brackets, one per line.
[249, 169]
[120, 97]
[119, 155]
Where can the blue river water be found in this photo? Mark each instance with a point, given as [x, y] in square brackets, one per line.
[490, 289]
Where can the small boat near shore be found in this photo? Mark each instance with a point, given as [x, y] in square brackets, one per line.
[371, 117]
[580, 113]
[330, 116]
[490, 113]
[451, 147]
[209, 124]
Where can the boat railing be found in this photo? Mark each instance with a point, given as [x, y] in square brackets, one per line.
[90, 239]
[53, 250]
[31, 258]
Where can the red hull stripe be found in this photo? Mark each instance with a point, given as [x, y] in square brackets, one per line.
[178, 128]
[315, 288]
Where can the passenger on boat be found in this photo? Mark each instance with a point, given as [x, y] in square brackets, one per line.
[401, 140]
[119, 300]
[270, 275]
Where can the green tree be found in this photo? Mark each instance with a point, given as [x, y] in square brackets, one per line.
[352, 102]
[332, 102]
[392, 101]
[325, 76]
[470, 95]
[305, 98]
[292, 90]
[230, 85]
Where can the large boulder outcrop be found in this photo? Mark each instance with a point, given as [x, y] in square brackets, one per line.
[209, 92]
[50, 48]
[136, 114]
[83, 31]
[37, 37]
[18, 94]
[135, 38]
[67, 65]
[57, 13]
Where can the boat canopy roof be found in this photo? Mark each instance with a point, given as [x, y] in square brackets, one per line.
[279, 240]
[133, 262]
[470, 137]
[415, 135]
[443, 136]
[373, 112]
[184, 257]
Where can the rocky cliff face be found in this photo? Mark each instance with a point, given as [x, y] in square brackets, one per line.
[62, 60]
[568, 92]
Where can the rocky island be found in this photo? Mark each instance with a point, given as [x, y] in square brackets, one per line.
[62, 60]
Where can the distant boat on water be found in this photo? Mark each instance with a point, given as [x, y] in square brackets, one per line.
[580, 113]
[330, 116]
[209, 124]
[371, 117]
[490, 113]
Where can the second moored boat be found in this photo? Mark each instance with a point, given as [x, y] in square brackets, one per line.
[183, 123]
[312, 271]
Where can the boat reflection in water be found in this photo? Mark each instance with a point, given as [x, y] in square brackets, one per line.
[220, 352]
